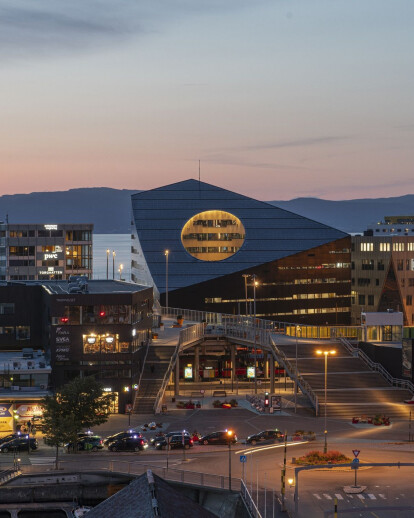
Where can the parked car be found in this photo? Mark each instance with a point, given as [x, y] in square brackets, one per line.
[121, 435]
[161, 435]
[131, 443]
[265, 437]
[19, 444]
[218, 438]
[91, 442]
[175, 441]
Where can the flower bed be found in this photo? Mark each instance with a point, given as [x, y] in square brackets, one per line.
[188, 405]
[317, 457]
[225, 404]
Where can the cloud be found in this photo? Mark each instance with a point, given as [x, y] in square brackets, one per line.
[44, 27]
[303, 142]
[230, 160]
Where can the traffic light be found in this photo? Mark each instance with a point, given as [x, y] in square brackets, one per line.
[266, 400]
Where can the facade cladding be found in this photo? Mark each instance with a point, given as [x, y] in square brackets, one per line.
[45, 252]
[303, 266]
[383, 275]
[101, 331]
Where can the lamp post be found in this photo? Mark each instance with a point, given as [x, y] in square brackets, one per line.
[113, 264]
[255, 283]
[107, 263]
[229, 438]
[326, 354]
[121, 267]
[246, 276]
[297, 329]
[166, 253]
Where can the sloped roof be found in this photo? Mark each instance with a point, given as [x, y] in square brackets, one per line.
[141, 497]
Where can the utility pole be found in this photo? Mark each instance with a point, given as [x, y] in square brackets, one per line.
[283, 478]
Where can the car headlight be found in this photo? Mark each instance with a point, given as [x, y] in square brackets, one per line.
[145, 445]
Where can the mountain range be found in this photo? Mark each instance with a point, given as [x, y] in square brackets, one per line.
[110, 209]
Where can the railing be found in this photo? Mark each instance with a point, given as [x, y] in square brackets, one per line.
[141, 374]
[186, 336]
[137, 468]
[377, 367]
[288, 328]
[293, 372]
[249, 502]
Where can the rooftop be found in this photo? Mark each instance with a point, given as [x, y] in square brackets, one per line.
[93, 286]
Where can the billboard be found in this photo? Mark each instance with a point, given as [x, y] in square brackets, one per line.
[6, 417]
[250, 372]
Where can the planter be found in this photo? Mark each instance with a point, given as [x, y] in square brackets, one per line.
[355, 420]
[180, 320]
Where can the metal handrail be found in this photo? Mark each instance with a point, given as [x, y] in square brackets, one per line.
[186, 336]
[377, 367]
[141, 374]
[248, 501]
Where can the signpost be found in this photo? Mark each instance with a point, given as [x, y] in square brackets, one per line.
[243, 460]
[355, 465]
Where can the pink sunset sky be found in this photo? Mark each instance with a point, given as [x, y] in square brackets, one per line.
[278, 98]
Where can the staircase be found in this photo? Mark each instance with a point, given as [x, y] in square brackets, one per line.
[155, 367]
[353, 389]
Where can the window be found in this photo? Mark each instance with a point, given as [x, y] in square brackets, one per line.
[376, 282]
[6, 308]
[409, 300]
[6, 330]
[363, 281]
[400, 265]
[411, 282]
[368, 264]
[385, 247]
[410, 246]
[361, 300]
[380, 265]
[398, 247]
[22, 250]
[370, 300]
[103, 344]
[22, 332]
[407, 264]
[367, 247]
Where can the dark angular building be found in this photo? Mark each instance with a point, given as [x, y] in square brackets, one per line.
[214, 236]
[98, 328]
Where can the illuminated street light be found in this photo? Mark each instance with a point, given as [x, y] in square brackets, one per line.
[107, 263]
[255, 284]
[326, 354]
[229, 438]
[121, 267]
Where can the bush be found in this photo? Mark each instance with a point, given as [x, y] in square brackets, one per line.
[233, 403]
[217, 403]
[317, 457]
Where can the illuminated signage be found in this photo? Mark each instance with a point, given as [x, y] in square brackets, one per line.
[50, 256]
[188, 372]
[50, 272]
[50, 227]
[250, 372]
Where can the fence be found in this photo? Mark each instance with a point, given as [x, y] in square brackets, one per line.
[186, 336]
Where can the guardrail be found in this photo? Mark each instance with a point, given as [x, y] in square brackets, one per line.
[186, 336]
[377, 367]
[294, 374]
[249, 502]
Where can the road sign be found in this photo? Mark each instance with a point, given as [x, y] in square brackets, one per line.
[259, 382]
[356, 453]
[243, 458]
[355, 461]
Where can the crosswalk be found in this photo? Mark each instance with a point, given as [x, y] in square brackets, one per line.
[42, 460]
[354, 497]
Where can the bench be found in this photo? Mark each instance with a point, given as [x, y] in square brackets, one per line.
[219, 393]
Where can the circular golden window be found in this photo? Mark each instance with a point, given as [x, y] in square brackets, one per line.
[213, 235]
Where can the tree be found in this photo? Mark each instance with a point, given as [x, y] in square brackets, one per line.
[81, 403]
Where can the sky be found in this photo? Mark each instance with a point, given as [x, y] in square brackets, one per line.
[278, 99]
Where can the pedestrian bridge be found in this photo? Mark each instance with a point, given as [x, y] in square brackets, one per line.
[357, 386]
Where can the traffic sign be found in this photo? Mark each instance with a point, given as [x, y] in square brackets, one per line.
[356, 453]
[243, 458]
[355, 461]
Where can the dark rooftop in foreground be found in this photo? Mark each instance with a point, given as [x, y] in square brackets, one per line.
[147, 496]
[93, 286]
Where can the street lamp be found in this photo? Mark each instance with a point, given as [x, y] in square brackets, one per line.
[107, 263]
[121, 267]
[326, 354]
[246, 276]
[297, 329]
[113, 264]
[166, 253]
[229, 439]
[255, 284]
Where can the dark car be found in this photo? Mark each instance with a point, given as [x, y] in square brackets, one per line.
[91, 443]
[10, 437]
[265, 437]
[19, 444]
[218, 438]
[121, 435]
[131, 443]
[175, 441]
[161, 435]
